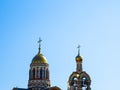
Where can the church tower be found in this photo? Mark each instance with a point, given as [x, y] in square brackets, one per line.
[39, 72]
[79, 80]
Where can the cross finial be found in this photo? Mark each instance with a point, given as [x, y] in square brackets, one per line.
[39, 41]
[78, 49]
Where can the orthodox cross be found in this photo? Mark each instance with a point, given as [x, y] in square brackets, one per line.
[78, 49]
[39, 41]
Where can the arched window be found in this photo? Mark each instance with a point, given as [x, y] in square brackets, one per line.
[41, 73]
[33, 73]
[37, 72]
[84, 82]
[74, 81]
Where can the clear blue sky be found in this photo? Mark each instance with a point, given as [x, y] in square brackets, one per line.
[62, 25]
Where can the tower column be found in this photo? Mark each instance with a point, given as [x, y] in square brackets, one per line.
[37, 80]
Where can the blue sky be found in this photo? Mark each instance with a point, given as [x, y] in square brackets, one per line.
[62, 25]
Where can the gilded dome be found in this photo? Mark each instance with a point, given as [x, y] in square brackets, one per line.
[39, 59]
[78, 58]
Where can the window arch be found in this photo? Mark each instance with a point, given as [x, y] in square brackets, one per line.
[33, 73]
[84, 82]
[43, 72]
[40, 73]
[74, 81]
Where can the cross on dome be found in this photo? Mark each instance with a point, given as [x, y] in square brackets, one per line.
[78, 49]
[39, 41]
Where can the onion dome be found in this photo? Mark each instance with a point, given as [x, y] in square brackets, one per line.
[78, 57]
[39, 58]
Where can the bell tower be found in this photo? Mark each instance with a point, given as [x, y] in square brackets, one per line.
[79, 80]
[39, 72]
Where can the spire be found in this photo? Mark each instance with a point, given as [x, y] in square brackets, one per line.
[39, 45]
[78, 50]
[78, 57]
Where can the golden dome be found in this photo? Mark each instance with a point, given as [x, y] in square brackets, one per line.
[39, 59]
[78, 58]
